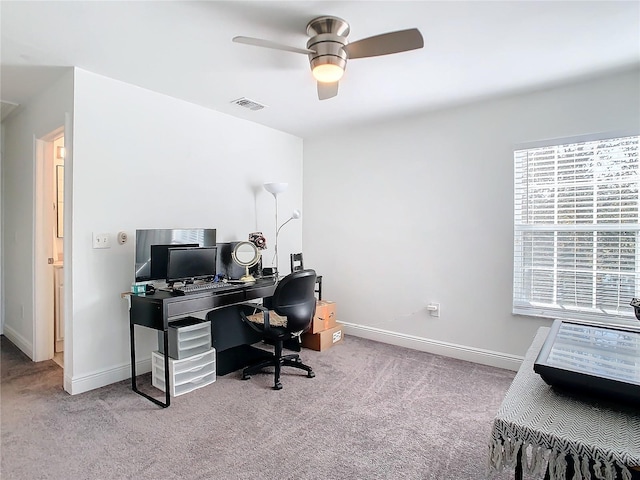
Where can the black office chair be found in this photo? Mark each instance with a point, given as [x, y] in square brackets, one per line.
[294, 299]
[297, 264]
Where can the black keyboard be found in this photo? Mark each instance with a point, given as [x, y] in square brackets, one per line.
[204, 287]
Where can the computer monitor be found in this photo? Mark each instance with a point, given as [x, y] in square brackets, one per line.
[205, 237]
[186, 264]
[160, 258]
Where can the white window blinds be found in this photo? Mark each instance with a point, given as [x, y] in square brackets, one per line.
[577, 233]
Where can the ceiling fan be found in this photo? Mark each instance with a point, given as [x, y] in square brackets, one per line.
[329, 50]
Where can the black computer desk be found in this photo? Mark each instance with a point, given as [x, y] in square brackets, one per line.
[157, 310]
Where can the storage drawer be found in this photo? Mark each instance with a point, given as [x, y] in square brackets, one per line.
[187, 337]
[185, 375]
[195, 302]
[187, 364]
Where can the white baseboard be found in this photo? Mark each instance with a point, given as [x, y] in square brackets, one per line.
[95, 380]
[462, 352]
[19, 341]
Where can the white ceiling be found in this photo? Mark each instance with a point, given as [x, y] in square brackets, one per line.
[473, 50]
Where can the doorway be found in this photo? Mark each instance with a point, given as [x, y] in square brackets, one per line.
[48, 329]
[58, 249]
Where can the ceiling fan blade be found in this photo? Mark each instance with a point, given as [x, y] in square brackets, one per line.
[327, 90]
[386, 43]
[258, 42]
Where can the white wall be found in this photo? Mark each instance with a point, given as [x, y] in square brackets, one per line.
[39, 117]
[1, 235]
[145, 160]
[421, 209]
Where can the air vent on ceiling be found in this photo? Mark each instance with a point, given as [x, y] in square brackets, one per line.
[250, 104]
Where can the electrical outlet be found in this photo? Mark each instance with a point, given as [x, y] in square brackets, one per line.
[434, 309]
[101, 240]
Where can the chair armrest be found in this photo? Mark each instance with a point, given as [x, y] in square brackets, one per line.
[265, 316]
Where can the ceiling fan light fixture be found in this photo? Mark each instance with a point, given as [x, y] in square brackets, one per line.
[328, 49]
[328, 72]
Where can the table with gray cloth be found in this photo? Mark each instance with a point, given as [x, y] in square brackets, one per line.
[539, 431]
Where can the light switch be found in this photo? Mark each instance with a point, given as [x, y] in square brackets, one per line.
[101, 240]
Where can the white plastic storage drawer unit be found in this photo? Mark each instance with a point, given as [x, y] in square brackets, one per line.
[185, 375]
[187, 336]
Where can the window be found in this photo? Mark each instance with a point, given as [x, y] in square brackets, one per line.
[576, 230]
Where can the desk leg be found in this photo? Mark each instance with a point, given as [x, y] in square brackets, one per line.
[166, 370]
[134, 385]
[132, 339]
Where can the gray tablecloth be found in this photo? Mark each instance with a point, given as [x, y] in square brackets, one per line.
[552, 429]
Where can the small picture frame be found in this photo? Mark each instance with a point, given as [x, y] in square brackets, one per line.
[258, 240]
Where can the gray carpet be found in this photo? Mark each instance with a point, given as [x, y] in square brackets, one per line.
[374, 411]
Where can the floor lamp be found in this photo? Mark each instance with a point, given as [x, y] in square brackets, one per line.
[275, 189]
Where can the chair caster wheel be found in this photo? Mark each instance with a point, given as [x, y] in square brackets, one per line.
[246, 377]
[311, 375]
[277, 386]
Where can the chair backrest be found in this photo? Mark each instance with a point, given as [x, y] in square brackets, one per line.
[297, 263]
[295, 299]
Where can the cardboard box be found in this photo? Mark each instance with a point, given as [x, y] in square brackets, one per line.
[325, 317]
[323, 340]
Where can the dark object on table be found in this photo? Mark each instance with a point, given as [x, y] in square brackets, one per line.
[269, 272]
[635, 303]
[592, 360]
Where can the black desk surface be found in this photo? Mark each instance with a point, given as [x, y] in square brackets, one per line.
[156, 310]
